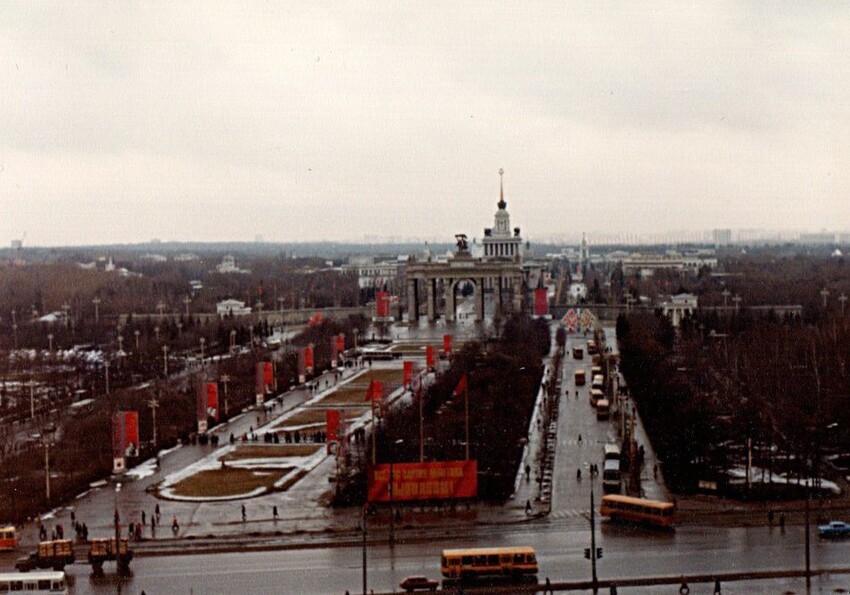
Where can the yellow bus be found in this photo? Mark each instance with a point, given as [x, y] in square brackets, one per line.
[638, 510]
[514, 562]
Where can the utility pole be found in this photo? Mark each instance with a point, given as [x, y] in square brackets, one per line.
[96, 302]
[593, 551]
[153, 404]
[224, 380]
[165, 359]
[186, 301]
[365, 510]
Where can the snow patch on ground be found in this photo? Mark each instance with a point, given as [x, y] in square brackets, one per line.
[759, 475]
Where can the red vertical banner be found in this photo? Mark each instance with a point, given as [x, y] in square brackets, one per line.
[408, 374]
[334, 352]
[308, 358]
[118, 461]
[340, 342]
[375, 391]
[541, 302]
[268, 375]
[212, 400]
[201, 408]
[131, 433]
[302, 366]
[382, 304]
[430, 361]
[332, 419]
[447, 344]
[260, 383]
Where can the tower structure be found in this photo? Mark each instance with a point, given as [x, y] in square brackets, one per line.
[500, 241]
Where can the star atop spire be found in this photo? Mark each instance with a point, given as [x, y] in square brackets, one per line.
[501, 204]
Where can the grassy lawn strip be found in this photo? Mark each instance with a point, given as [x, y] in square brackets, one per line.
[213, 483]
[271, 451]
[303, 417]
[355, 392]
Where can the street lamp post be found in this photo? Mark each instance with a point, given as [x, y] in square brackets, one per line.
[153, 404]
[365, 511]
[224, 380]
[50, 343]
[32, 398]
[49, 430]
[136, 333]
[165, 359]
[117, 519]
[203, 340]
[186, 301]
[96, 302]
[392, 500]
[232, 340]
[106, 366]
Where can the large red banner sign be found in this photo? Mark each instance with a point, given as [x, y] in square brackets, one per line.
[424, 481]
[447, 344]
[212, 400]
[340, 342]
[541, 302]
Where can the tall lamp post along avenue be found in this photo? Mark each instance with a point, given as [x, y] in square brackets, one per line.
[392, 498]
[47, 437]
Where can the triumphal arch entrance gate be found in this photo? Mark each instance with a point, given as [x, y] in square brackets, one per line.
[502, 278]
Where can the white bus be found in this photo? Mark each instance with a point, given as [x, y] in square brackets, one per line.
[52, 582]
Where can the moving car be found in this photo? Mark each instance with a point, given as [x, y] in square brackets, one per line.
[419, 583]
[834, 529]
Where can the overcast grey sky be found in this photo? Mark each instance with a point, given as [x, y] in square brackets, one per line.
[125, 121]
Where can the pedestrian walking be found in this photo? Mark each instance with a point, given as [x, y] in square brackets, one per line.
[274, 512]
[528, 507]
[548, 588]
[782, 520]
[156, 510]
[244, 514]
[144, 522]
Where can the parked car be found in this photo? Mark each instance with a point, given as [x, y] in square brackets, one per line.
[834, 529]
[419, 583]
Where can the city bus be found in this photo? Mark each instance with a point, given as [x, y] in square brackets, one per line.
[580, 378]
[578, 353]
[595, 396]
[638, 510]
[466, 564]
[52, 582]
[603, 409]
[591, 347]
[8, 538]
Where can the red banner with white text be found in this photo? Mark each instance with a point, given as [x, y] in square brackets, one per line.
[442, 480]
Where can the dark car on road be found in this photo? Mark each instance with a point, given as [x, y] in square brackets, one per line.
[419, 583]
[834, 529]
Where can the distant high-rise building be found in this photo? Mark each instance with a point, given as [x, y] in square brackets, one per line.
[721, 237]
